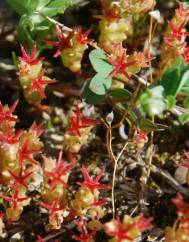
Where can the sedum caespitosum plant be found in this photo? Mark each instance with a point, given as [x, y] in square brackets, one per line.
[71, 47]
[54, 190]
[18, 165]
[19, 170]
[87, 196]
[32, 76]
[78, 132]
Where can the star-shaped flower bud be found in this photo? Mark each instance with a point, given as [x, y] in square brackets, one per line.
[65, 41]
[62, 42]
[54, 207]
[82, 38]
[19, 179]
[79, 121]
[26, 153]
[84, 236]
[40, 83]
[11, 137]
[15, 199]
[92, 183]
[119, 231]
[119, 61]
[30, 59]
[62, 168]
[7, 115]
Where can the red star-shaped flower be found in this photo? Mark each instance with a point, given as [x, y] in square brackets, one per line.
[92, 183]
[64, 41]
[11, 137]
[19, 180]
[119, 62]
[7, 115]
[30, 59]
[15, 199]
[84, 236]
[60, 170]
[26, 152]
[120, 231]
[52, 208]
[40, 83]
[82, 38]
[79, 121]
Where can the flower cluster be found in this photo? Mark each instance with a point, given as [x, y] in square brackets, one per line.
[19, 169]
[87, 197]
[32, 76]
[18, 164]
[71, 47]
[54, 193]
[124, 66]
[79, 129]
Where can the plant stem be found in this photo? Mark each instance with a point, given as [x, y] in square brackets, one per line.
[114, 176]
